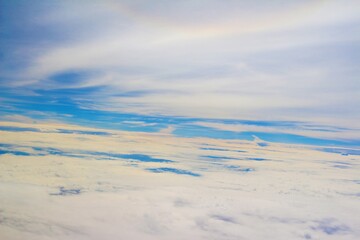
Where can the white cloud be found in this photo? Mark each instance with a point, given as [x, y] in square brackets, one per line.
[294, 193]
[241, 60]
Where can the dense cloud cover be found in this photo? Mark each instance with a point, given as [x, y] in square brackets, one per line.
[64, 182]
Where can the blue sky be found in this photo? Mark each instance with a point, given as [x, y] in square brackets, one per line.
[256, 70]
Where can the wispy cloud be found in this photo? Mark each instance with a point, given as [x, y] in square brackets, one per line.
[292, 61]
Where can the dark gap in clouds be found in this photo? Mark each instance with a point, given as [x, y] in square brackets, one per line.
[11, 149]
[142, 158]
[173, 170]
[238, 168]
[342, 151]
[224, 218]
[286, 220]
[341, 166]
[107, 156]
[256, 159]
[18, 129]
[134, 156]
[218, 157]
[331, 227]
[221, 149]
[56, 152]
[339, 162]
[17, 153]
[307, 236]
[44, 151]
[350, 194]
[215, 149]
[262, 144]
[39, 151]
[67, 192]
[67, 131]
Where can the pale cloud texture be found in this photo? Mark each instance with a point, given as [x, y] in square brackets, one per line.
[62, 181]
[243, 59]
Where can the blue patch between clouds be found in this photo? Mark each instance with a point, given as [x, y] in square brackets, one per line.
[84, 132]
[135, 157]
[191, 131]
[342, 166]
[220, 149]
[17, 153]
[18, 129]
[23, 129]
[329, 227]
[342, 151]
[262, 144]
[142, 158]
[238, 168]
[63, 104]
[43, 151]
[219, 157]
[82, 154]
[224, 218]
[256, 159]
[173, 170]
[66, 192]
[214, 149]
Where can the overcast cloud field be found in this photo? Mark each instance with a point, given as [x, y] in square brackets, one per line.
[179, 120]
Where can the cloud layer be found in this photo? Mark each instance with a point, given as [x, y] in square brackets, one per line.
[242, 60]
[75, 184]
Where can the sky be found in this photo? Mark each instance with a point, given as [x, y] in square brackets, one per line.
[193, 119]
[292, 66]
